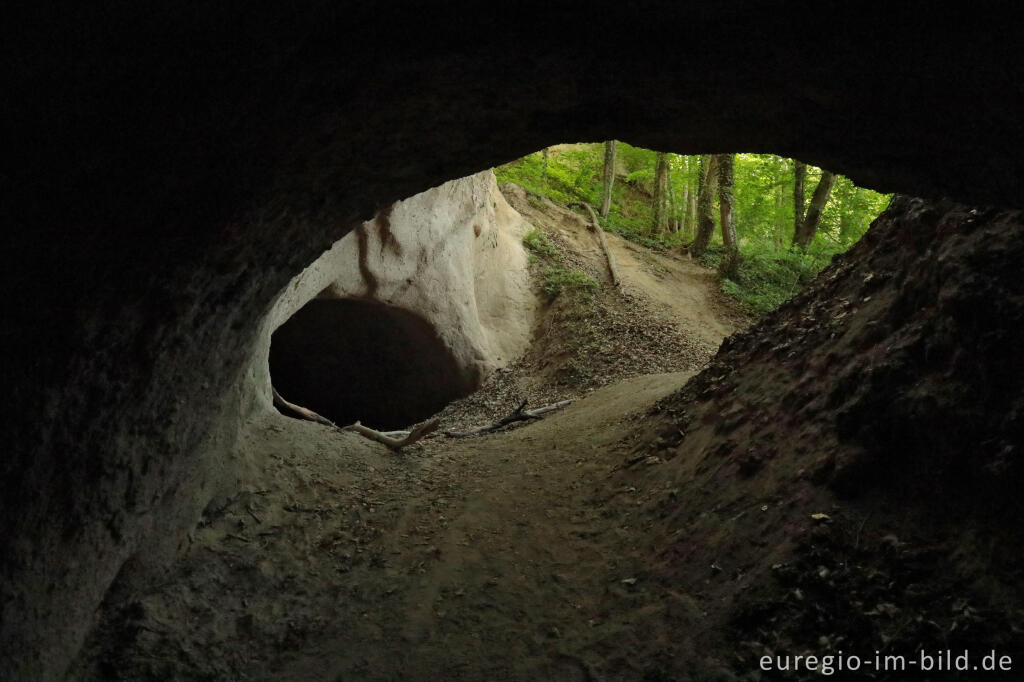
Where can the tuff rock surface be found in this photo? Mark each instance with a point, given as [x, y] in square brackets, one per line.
[409, 311]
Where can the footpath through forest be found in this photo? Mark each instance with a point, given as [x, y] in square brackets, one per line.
[521, 554]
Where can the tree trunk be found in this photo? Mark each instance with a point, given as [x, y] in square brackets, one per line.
[670, 211]
[779, 238]
[799, 174]
[596, 228]
[610, 147]
[805, 235]
[731, 260]
[544, 168]
[684, 212]
[660, 225]
[705, 202]
[849, 217]
[691, 217]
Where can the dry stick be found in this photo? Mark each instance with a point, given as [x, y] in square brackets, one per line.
[299, 411]
[540, 411]
[517, 415]
[596, 227]
[395, 443]
[388, 438]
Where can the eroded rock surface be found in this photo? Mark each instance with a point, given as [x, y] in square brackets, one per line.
[408, 312]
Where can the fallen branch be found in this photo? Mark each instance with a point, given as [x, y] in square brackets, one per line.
[299, 411]
[396, 440]
[596, 228]
[387, 439]
[517, 415]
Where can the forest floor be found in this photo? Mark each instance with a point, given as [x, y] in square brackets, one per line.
[513, 555]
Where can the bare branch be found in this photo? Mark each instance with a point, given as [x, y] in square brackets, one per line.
[396, 440]
[595, 227]
[299, 411]
[517, 415]
[395, 443]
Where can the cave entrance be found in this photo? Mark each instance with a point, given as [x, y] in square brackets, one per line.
[351, 359]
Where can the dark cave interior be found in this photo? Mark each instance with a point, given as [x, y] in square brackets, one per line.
[161, 197]
[351, 360]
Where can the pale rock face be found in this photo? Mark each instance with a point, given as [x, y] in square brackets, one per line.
[451, 256]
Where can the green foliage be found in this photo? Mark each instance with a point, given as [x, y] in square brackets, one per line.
[573, 173]
[638, 231]
[642, 178]
[538, 242]
[556, 280]
[631, 159]
[764, 204]
[769, 272]
[768, 278]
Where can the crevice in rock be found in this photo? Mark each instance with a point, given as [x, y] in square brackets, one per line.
[350, 359]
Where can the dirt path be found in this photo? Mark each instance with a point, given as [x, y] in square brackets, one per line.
[509, 559]
[507, 556]
[519, 555]
[685, 291]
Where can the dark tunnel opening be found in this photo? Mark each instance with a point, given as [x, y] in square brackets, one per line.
[354, 360]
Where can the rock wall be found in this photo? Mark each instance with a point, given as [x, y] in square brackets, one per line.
[452, 257]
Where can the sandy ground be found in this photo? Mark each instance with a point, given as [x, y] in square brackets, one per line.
[516, 555]
[682, 290]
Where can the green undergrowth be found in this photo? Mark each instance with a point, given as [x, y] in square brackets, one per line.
[560, 184]
[555, 280]
[766, 278]
[635, 231]
[540, 246]
[571, 295]
[574, 174]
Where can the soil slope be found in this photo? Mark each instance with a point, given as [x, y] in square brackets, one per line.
[851, 465]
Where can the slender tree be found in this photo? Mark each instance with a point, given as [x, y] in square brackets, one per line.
[660, 225]
[691, 209]
[848, 219]
[805, 235]
[684, 211]
[705, 203]
[670, 210]
[731, 259]
[779, 237]
[544, 168]
[799, 175]
[610, 148]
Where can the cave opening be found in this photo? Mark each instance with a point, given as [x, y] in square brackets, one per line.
[176, 191]
[357, 360]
